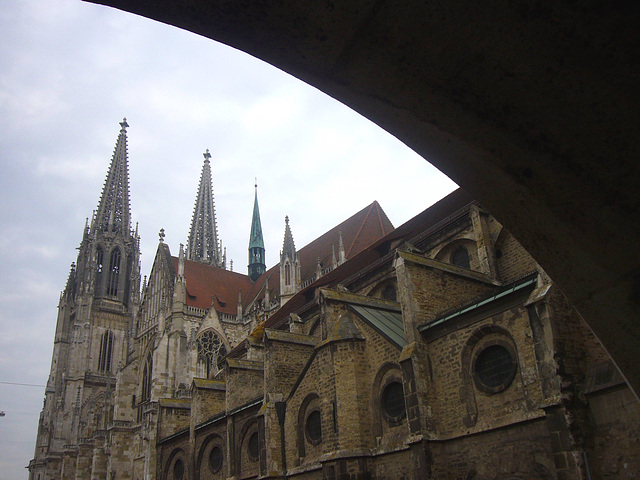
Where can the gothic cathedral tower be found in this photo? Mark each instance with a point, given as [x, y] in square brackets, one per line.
[94, 318]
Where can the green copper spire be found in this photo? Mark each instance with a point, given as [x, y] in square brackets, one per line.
[257, 264]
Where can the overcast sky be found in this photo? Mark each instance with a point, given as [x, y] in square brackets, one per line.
[69, 72]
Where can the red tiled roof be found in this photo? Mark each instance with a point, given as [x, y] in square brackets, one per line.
[429, 218]
[206, 283]
[358, 232]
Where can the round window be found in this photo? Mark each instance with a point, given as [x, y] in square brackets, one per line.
[313, 428]
[393, 401]
[178, 469]
[254, 446]
[215, 459]
[494, 368]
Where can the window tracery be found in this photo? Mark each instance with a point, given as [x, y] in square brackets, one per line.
[211, 350]
[106, 348]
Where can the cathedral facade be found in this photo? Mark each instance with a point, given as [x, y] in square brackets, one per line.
[437, 349]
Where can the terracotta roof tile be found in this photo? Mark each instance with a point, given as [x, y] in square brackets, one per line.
[206, 283]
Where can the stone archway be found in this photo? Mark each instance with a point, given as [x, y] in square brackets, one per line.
[532, 108]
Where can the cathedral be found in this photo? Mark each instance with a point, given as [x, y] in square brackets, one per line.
[437, 349]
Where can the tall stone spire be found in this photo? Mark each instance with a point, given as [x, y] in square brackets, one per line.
[114, 211]
[257, 264]
[203, 245]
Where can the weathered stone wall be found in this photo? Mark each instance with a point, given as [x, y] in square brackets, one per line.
[174, 415]
[286, 354]
[208, 399]
[459, 407]
[426, 291]
[512, 259]
[519, 451]
[245, 382]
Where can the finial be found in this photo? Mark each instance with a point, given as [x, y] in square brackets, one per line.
[256, 183]
[286, 219]
[161, 235]
[124, 124]
[207, 155]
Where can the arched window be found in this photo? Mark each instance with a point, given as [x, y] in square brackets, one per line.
[309, 426]
[215, 459]
[287, 274]
[392, 401]
[211, 350]
[313, 427]
[461, 258]
[114, 273]
[99, 269]
[146, 378]
[106, 349]
[253, 447]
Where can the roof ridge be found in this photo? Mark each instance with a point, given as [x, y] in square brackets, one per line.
[353, 242]
[377, 205]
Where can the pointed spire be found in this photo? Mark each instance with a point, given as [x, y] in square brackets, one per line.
[341, 254]
[288, 246]
[203, 245]
[114, 211]
[257, 264]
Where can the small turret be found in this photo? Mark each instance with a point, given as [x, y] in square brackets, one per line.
[290, 268]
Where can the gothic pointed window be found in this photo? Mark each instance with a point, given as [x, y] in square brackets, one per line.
[114, 273]
[106, 350]
[211, 350]
[99, 269]
[287, 274]
[146, 378]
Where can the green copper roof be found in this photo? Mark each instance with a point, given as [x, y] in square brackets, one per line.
[255, 239]
[388, 323]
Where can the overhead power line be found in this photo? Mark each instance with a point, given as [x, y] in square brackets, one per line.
[23, 384]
